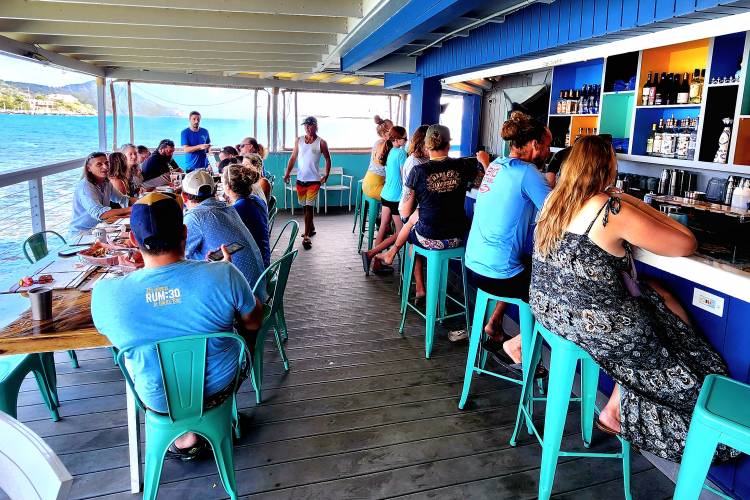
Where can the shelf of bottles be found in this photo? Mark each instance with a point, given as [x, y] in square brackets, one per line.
[673, 89]
[673, 138]
[577, 102]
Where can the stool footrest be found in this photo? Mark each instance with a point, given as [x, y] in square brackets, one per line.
[589, 454]
[497, 375]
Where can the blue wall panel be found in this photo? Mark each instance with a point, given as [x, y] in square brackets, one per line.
[587, 19]
[553, 26]
[629, 17]
[543, 36]
[664, 9]
[600, 18]
[614, 15]
[684, 7]
[576, 15]
[646, 11]
[706, 4]
[563, 22]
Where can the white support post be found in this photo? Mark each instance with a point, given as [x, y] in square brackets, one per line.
[101, 109]
[255, 114]
[296, 116]
[36, 201]
[130, 114]
[275, 120]
[403, 111]
[114, 114]
[283, 119]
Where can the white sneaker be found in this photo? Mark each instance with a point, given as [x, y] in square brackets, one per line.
[457, 335]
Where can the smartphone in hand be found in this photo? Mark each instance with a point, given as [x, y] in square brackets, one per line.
[216, 255]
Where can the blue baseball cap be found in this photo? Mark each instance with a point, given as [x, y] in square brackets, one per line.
[156, 221]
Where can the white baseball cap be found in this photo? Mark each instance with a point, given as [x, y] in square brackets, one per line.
[196, 180]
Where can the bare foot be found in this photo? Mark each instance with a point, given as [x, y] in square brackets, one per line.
[386, 257]
[494, 331]
[609, 419]
[512, 348]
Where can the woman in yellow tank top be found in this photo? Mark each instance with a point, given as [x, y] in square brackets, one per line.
[374, 179]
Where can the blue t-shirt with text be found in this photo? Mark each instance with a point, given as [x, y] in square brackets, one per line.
[167, 302]
[196, 159]
[511, 194]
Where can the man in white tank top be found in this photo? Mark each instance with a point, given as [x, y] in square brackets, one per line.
[308, 149]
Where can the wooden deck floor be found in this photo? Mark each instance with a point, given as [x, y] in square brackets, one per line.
[362, 414]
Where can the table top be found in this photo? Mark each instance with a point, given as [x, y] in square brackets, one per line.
[70, 328]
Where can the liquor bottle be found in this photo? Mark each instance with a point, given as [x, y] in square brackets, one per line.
[583, 101]
[666, 88]
[696, 88]
[650, 140]
[646, 91]
[578, 135]
[658, 136]
[729, 191]
[726, 134]
[693, 138]
[652, 90]
[567, 137]
[683, 95]
[674, 88]
[595, 131]
[576, 100]
[667, 140]
[558, 109]
[661, 90]
[683, 141]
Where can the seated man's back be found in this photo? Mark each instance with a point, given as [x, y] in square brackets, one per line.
[213, 223]
[171, 301]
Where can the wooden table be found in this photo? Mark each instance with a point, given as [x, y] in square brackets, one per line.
[70, 328]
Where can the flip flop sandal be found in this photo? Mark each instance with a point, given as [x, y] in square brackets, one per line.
[188, 454]
[366, 261]
[307, 244]
[605, 428]
[495, 347]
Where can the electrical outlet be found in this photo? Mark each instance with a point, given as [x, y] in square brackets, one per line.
[708, 302]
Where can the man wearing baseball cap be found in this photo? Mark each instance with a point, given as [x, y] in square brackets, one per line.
[308, 148]
[173, 297]
[211, 223]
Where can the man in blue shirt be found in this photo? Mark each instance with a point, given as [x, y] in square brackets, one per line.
[211, 223]
[196, 142]
[173, 297]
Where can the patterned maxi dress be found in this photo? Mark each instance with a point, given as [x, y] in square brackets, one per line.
[577, 292]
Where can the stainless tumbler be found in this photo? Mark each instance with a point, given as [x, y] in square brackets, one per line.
[41, 303]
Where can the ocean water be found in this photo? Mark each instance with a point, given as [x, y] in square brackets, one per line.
[30, 141]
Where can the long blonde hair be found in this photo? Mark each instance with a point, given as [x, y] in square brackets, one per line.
[588, 171]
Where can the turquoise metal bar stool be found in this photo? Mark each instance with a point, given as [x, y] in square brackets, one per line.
[476, 358]
[13, 369]
[357, 204]
[437, 286]
[564, 357]
[721, 415]
[371, 213]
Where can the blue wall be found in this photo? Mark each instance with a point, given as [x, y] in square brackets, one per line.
[545, 26]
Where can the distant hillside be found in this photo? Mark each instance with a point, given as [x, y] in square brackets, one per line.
[86, 94]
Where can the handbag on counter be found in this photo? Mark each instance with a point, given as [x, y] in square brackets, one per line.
[630, 276]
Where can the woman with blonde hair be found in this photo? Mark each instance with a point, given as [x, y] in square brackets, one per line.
[261, 187]
[374, 179]
[134, 168]
[238, 181]
[119, 174]
[583, 289]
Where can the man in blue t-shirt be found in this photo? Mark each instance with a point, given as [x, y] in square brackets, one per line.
[195, 142]
[172, 297]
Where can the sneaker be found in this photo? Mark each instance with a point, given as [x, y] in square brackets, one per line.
[188, 454]
[457, 335]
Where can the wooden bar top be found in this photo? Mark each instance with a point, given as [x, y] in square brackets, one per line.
[70, 328]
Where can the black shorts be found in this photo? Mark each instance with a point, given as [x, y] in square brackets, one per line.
[516, 287]
[393, 205]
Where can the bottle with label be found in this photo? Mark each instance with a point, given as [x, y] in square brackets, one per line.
[560, 100]
[583, 101]
[723, 149]
[666, 92]
[652, 90]
[683, 141]
[650, 140]
[693, 138]
[567, 137]
[661, 89]
[683, 94]
[595, 132]
[729, 190]
[646, 91]
[668, 140]
[696, 88]
[658, 136]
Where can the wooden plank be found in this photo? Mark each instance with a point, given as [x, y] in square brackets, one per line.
[648, 483]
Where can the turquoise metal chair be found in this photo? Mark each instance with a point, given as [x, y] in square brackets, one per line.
[183, 366]
[476, 358]
[357, 204]
[37, 244]
[273, 318]
[721, 416]
[294, 229]
[272, 202]
[437, 288]
[13, 369]
[373, 207]
[564, 357]
[272, 219]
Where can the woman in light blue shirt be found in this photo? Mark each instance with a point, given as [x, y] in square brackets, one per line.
[512, 192]
[93, 194]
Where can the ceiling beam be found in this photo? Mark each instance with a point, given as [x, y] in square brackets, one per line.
[162, 17]
[334, 8]
[240, 82]
[162, 32]
[11, 46]
[246, 55]
[207, 66]
[61, 44]
[203, 56]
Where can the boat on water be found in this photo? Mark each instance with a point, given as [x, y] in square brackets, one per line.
[365, 415]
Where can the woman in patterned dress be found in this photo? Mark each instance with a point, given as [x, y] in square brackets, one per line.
[639, 335]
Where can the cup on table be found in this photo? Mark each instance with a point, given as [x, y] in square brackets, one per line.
[99, 233]
[41, 303]
[175, 179]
